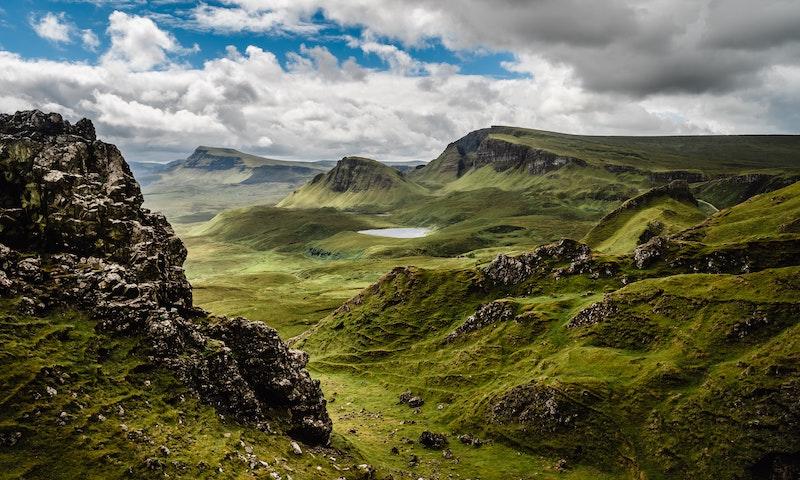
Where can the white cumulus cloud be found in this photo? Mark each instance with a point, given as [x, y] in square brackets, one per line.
[89, 40]
[138, 43]
[53, 27]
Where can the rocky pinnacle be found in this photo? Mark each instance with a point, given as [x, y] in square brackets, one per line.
[73, 234]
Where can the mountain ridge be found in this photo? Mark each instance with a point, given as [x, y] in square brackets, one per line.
[80, 256]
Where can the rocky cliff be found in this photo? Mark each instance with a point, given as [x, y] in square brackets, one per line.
[479, 149]
[73, 235]
[356, 174]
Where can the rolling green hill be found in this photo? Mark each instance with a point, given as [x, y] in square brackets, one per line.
[772, 215]
[640, 355]
[661, 211]
[706, 154]
[355, 183]
[214, 179]
[673, 374]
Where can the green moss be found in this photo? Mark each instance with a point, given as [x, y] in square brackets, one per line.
[87, 405]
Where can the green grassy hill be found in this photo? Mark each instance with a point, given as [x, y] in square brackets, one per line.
[214, 179]
[77, 403]
[673, 374]
[772, 215]
[660, 211]
[624, 362]
[355, 183]
[265, 228]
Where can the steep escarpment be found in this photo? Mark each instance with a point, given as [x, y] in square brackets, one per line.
[73, 237]
[354, 182]
[730, 190]
[483, 148]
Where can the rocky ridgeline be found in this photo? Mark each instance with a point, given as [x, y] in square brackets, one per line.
[356, 174]
[675, 189]
[73, 235]
[685, 256]
[562, 258]
[479, 149]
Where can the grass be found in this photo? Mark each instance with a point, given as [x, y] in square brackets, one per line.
[388, 347]
[620, 233]
[772, 215]
[712, 154]
[635, 383]
[87, 405]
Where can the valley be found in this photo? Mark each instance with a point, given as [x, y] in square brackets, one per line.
[373, 335]
[580, 311]
[399, 240]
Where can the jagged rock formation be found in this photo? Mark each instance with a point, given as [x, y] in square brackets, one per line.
[358, 174]
[479, 149]
[73, 235]
[509, 272]
[544, 408]
[485, 315]
[693, 257]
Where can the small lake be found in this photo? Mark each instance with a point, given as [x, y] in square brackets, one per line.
[397, 232]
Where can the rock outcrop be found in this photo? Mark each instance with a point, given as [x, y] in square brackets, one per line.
[356, 174]
[479, 149]
[485, 315]
[545, 408]
[507, 271]
[73, 235]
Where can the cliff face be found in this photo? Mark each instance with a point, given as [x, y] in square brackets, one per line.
[355, 174]
[73, 235]
[479, 149]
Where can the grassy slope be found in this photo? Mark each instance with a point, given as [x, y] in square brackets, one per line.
[625, 370]
[64, 436]
[651, 385]
[253, 161]
[270, 227]
[620, 231]
[711, 153]
[318, 195]
[360, 194]
[774, 215]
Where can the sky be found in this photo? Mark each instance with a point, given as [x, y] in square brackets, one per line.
[397, 79]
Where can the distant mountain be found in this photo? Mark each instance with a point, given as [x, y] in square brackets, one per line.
[354, 182]
[661, 158]
[226, 166]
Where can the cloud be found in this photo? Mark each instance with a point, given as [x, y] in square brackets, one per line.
[315, 108]
[633, 47]
[89, 40]
[648, 67]
[138, 44]
[53, 27]
[254, 16]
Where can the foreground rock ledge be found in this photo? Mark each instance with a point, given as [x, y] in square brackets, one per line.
[73, 234]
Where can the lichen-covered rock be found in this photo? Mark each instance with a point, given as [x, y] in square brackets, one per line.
[63, 191]
[594, 314]
[510, 271]
[649, 252]
[432, 441]
[546, 409]
[485, 315]
[73, 234]
[413, 401]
